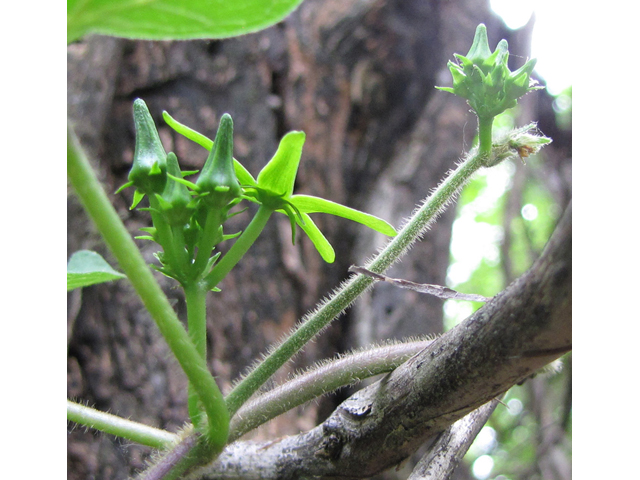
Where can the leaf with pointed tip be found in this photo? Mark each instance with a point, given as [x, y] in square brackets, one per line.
[88, 268]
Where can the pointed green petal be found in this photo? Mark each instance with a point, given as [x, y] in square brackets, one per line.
[319, 241]
[126, 185]
[447, 89]
[310, 204]
[288, 210]
[184, 182]
[190, 133]
[479, 50]
[279, 175]
[137, 198]
[244, 177]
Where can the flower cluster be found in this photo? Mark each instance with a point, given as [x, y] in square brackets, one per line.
[188, 216]
[484, 79]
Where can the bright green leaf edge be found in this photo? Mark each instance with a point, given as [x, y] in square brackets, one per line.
[174, 19]
[89, 268]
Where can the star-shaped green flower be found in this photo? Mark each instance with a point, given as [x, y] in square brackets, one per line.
[484, 79]
[273, 189]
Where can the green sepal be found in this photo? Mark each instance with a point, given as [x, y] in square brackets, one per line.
[151, 234]
[126, 185]
[233, 214]
[167, 272]
[184, 182]
[211, 262]
[231, 236]
[137, 198]
[144, 237]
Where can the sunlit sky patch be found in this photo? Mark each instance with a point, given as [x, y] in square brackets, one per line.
[482, 467]
[551, 38]
[473, 241]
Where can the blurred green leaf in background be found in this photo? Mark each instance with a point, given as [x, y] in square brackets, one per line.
[88, 268]
[173, 19]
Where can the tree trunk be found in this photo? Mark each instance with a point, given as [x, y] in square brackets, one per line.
[358, 78]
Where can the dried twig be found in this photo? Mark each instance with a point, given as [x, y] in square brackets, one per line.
[435, 290]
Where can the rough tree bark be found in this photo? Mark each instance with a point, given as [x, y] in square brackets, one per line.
[358, 78]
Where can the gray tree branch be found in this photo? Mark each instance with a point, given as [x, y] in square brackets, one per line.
[520, 330]
[451, 445]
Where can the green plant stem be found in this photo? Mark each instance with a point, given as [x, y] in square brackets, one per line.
[316, 381]
[240, 247]
[320, 380]
[314, 322]
[485, 136]
[196, 300]
[119, 241]
[121, 427]
[177, 462]
[174, 252]
[208, 240]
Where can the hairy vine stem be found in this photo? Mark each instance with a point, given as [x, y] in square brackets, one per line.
[121, 427]
[322, 379]
[344, 296]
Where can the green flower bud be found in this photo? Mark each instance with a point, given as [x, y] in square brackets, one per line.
[484, 79]
[149, 170]
[217, 183]
[175, 201]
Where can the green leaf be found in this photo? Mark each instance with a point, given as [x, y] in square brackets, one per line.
[173, 19]
[310, 204]
[88, 268]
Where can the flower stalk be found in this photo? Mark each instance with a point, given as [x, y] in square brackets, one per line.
[100, 210]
